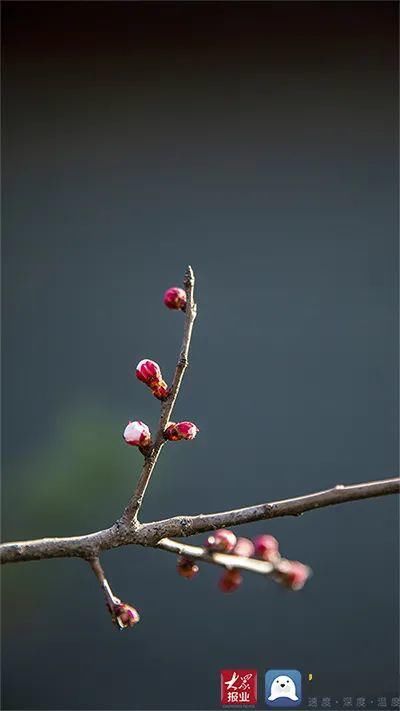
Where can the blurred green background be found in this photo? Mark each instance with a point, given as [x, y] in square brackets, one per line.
[258, 143]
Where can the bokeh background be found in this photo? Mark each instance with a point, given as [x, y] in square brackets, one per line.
[258, 143]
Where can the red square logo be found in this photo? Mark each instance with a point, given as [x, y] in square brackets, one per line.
[238, 687]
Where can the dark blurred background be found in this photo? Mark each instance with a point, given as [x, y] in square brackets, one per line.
[258, 143]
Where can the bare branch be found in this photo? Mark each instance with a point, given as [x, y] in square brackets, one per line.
[86, 546]
[340, 494]
[149, 534]
[132, 510]
[111, 599]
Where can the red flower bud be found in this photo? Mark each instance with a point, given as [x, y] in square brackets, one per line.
[125, 615]
[230, 581]
[222, 541]
[187, 568]
[137, 434]
[293, 574]
[244, 547]
[267, 547]
[149, 372]
[180, 430]
[175, 298]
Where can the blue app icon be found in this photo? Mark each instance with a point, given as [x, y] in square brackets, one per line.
[283, 688]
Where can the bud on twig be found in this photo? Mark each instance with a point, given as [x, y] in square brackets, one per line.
[149, 372]
[175, 298]
[244, 547]
[180, 430]
[137, 434]
[125, 615]
[230, 581]
[122, 614]
[187, 568]
[222, 541]
[293, 574]
[266, 547]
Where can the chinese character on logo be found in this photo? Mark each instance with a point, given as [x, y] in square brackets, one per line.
[326, 702]
[313, 702]
[239, 686]
[382, 702]
[395, 703]
[347, 702]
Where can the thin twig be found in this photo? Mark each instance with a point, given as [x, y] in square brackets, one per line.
[112, 601]
[149, 534]
[132, 510]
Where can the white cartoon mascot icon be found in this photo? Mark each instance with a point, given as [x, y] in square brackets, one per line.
[283, 686]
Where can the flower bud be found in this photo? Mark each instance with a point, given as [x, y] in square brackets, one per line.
[175, 298]
[149, 372]
[187, 568]
[267, 547]
[125, 615]
[137, 434]
[293, 574]
[230, 581]
[244, 547]
[222, 541]
[180, 430]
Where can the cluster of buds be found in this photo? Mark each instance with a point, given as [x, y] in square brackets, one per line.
[149, 373]
[175, 298]
[290, 573]
[180, 430]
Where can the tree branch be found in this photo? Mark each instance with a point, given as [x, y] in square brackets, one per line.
[149, 534]
[132, 510]
[340, 494]
[128, 530]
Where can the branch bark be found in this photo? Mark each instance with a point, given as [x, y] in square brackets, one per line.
[150, 534]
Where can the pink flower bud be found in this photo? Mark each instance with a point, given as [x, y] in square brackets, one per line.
[187, 568]
[137, 434]
[230, 581]
[222, 541]
[148, 372]
[267, 547]
[180, 430]
[125, 615]
[244, 547]
[293, 574]
[175, 298]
